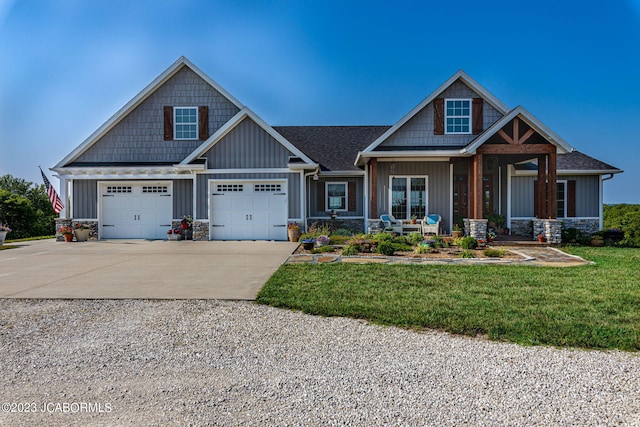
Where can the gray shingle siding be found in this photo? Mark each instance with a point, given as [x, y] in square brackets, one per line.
[418, 131]
[139, 137]
[247, 146]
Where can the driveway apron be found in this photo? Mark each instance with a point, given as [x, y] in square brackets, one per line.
[114, 269]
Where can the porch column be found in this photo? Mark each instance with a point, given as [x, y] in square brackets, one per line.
[541, 209]
[551, 187]
[373, 187]
[64, 196]
[477, 186]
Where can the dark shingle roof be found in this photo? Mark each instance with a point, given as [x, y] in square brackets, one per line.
[335, 148]
[574, 161]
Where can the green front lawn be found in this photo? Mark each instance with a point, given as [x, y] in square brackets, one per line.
[595, 306]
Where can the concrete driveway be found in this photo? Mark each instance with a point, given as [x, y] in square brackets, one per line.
[114, 269]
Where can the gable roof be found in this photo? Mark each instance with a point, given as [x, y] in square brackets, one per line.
[529, 119]
[141, 97]
[245, 112]
[333, 147]
[459, 75]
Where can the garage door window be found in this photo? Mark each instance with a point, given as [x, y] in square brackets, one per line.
[266, 188]
[225, 188]
[155, 189]
[118, 189]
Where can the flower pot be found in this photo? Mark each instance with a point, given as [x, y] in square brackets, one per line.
[541, 238]
[3, 234]
[456, 234]
[413, 221]
[68, 237]
[82, 235]
[308, 245]
[294, 235]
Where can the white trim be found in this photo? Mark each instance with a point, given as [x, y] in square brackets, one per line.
[303, 196]
[408, 177]
[341, 173]
[569, 218]
[366, 190]
[411, 156]
[120, 177]
[141, 97]
[235, 121]
[345, 184]
[466, 79]
[529, 119]
[563, 182]
[568, 172]
[469, 100]
[175, 123]
[245, 171]
[64, 196]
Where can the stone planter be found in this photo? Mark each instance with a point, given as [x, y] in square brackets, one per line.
[82, 235]
[3, 234]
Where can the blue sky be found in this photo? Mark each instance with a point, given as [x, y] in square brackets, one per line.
[67, 66]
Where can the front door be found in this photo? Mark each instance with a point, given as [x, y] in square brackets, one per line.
[461, 196]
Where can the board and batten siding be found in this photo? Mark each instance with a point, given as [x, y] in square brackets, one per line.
[587, 195]
[85, 198]
[139, 137]
[319, 211]
[86, 193]
[438, 191]
[419, 130]
[247, 146]
[293, 189]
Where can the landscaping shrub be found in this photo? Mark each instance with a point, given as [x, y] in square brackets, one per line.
[468, 242]
[626, 218]
[383, 237]
[342, 232]
[401, 247]
[571, 235]
[386, 248]
[323, 249]
[422, 249]
[338, 239]
[350, 250]
[495, 253]
[414, 238]
[467, 254]
[364, 243]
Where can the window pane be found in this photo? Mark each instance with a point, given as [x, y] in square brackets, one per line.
[418, 197]
[399, 198]
[560, 199]
[337, 195]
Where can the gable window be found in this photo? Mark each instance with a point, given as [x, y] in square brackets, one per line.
[186, 122]
[408, 197]
[457, 116]
[336, 196]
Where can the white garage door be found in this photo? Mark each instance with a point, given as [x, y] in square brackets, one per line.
[248, 210]
[135, 210]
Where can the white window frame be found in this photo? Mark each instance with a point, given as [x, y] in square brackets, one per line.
[408, 179]
[346, 195]
[564, 183]
[446, 116]
[175, 123]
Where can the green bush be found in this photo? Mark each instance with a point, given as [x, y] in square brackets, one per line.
[338, 239]
[415, 238]
[467, 254]
[351, 250]
[626, 218]
[422, 249]
[386, 248]
[402, 247]
[383, 237]
[342, 232]
[323, 249]
[468, 242]
[495, 253]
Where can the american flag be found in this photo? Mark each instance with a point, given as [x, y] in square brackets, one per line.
[53, 195]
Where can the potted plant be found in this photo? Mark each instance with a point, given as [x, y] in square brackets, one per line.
[293, 230]
[67, 232]
[322, 241]
[4, 230]
[82, 232]
[541, 238]
[307, 244]
[491, 235]
[413, 219]
[457, 231]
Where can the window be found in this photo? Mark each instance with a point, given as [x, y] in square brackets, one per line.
[458, 116]
[408, 197]
[270, 188]
[561, 199]
[186, 122]
[336, 196]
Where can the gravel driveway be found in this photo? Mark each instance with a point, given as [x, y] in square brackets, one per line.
[151, 362]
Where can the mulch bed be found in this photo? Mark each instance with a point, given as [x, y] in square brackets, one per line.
[442, 253]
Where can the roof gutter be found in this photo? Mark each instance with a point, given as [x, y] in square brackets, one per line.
[414, 154]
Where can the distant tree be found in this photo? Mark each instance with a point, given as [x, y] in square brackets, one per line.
[26, 208]
[626, 218]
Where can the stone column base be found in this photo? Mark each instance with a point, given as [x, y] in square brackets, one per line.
[200, 230]
[476, 228]
[551, 229]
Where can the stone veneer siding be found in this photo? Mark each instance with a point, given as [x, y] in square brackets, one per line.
[524, 227]
[200, 230]
[60, 222]
[476, 228]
